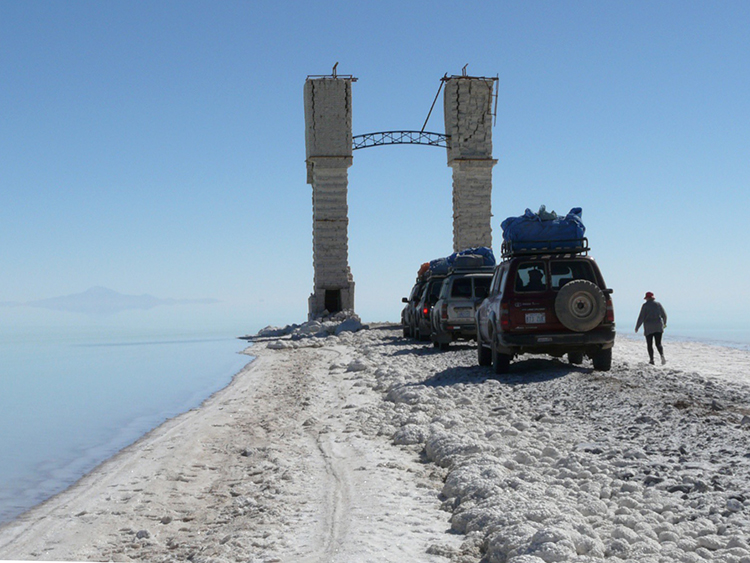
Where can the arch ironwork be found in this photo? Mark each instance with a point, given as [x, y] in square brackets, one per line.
[400, 138]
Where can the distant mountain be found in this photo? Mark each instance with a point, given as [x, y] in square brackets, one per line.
[103, 301]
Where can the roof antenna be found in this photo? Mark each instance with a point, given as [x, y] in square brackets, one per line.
[334, 69]
[463, 70]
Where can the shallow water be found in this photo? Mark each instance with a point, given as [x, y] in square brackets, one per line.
[76, 391]
[730, 337]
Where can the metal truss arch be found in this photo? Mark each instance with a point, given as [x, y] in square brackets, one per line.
[400, 138]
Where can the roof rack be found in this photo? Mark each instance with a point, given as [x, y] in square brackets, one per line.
[470, 269]
[510, 249]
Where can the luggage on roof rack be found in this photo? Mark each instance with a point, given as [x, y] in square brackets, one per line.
[470, 258]
[544, 232]
[525, 248]
[467, 261]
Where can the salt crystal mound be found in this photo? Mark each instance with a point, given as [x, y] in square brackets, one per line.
[330, 325]
[560, 463]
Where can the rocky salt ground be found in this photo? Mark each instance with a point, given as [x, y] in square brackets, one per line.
[365, 446]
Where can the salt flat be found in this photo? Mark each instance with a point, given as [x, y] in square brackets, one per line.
[370, 447]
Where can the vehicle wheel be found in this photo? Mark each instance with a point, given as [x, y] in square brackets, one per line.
[500, 361]
[436, 344]
[421, 336]
[407, 332]
[484, 355]
[575, 358]
[444, 346]
[580, 305]
[602, 360]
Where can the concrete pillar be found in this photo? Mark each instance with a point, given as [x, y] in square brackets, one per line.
[328, 140]
[468, 121]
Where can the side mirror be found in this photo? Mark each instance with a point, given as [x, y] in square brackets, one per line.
[609, 291]
[404, 300]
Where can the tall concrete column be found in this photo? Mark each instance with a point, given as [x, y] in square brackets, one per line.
[468, 121]
[328, 140]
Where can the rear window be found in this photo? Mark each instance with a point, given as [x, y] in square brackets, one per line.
[434, 288]
[566, 271]
[461, 288]
[416, 292]
[531, 276]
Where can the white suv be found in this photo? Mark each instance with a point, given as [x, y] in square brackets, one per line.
[452, 317]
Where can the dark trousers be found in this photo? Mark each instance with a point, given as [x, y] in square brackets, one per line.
[650, 340]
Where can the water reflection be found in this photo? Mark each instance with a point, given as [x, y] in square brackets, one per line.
[77, 390]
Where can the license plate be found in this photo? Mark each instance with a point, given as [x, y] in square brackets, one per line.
[463, 313]
[535, 318]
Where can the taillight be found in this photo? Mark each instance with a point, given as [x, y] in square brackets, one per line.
[426, 311]
[444, 311]
[609, 316]
[504, 317]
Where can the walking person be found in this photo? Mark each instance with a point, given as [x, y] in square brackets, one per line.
[653, 317]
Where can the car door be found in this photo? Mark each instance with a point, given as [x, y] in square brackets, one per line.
[492, 302]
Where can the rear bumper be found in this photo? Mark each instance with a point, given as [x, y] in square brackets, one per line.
[557, 342]
[455, 331]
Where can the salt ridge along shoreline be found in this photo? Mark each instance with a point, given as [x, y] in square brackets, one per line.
[365, 446]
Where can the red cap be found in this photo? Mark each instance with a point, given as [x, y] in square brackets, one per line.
[649, 295]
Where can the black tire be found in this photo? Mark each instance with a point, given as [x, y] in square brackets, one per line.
[484, 355]
[407, 332]
[500, 361]
[575, 358]
[444, 346]
[436, 344]
[580, 305]
[602, 360]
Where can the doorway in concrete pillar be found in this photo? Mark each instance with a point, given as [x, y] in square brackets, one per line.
[333, 300]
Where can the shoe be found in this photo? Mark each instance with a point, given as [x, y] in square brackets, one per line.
[663, 360]
[651, 362]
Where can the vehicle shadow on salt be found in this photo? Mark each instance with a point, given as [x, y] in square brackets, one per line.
[418, 348]
[424, 348]
[523, 372]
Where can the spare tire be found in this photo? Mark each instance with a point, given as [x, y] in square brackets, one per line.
[580, 305]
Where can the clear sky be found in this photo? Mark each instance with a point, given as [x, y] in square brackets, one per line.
[158, 147]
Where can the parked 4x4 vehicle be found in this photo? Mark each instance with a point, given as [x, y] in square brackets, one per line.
[409, 312]
[452, 317]
[427, 300]
[542, 302]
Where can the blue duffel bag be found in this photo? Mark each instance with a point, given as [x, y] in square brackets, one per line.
[537, 230]
[488, 257]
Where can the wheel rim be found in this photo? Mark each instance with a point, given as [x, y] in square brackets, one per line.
[581, 305]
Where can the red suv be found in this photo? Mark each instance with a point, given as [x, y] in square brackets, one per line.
[545, 302]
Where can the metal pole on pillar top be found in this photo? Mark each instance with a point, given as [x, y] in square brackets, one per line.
[334, 74]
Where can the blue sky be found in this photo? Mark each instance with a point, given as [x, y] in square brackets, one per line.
[158, 147]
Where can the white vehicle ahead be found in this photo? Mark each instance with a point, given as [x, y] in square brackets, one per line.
[452, 317]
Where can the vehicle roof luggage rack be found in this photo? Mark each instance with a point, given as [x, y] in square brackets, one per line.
[467, 262]
[530, 248]
[470, 270]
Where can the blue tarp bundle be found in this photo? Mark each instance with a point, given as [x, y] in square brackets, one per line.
[441, 265]
[532, 228]
[488, 257]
